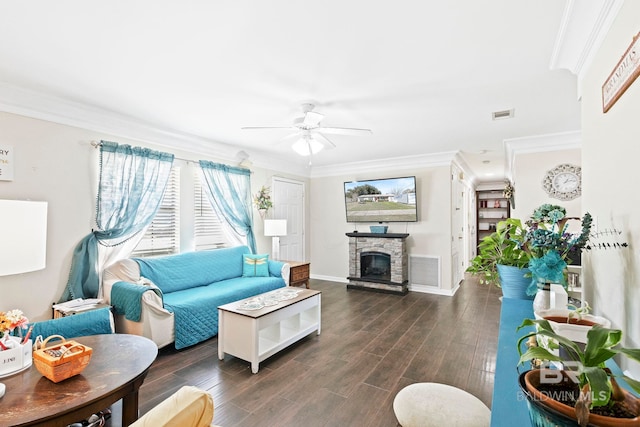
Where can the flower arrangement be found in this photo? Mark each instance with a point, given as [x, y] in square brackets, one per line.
[507, 193]
[9, 321]
[549, 244]
[262, 199]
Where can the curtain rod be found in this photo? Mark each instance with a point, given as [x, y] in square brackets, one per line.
[97, 144]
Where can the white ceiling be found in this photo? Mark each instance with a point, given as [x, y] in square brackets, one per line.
[425, 76]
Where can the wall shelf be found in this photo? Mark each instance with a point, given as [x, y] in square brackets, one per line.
[491, 208]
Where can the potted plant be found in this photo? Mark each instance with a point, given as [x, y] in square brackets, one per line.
[502, 260]
[549, 244]
[584, 390]
[572, 322]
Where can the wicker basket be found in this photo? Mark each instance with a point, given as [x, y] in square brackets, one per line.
[62, 360]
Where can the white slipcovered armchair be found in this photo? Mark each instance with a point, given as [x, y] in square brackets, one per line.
[187, 407]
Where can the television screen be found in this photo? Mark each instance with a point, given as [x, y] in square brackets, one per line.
[381, 200]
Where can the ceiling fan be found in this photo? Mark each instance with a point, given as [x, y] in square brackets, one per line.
[307, 128]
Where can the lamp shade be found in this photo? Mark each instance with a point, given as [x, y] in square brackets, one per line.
[23, 236]
[306, 146]
[275, 227]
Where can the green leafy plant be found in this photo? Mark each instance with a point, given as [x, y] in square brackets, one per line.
[594, 380]
[577, 313]
[503, 246]
[541, 244]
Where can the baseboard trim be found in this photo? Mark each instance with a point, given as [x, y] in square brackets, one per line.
[412, 288]
[431, 290]
[329, 278]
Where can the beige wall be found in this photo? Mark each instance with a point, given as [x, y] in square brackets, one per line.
[611, 149]
[430, 236]
[57, 164]
[528, 172]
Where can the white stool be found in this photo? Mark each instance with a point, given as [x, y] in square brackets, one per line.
[433, 404]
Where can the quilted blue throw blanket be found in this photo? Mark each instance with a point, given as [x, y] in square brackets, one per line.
[79, 325]
[126, 298]
[196, 309]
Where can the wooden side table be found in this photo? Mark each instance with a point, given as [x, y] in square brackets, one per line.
[299, 274]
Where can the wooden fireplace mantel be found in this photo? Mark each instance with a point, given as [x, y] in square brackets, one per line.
[380, 235]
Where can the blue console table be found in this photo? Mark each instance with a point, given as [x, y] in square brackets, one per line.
[509, 407]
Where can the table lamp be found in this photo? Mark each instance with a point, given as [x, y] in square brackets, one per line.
[23, 233]
[275, 228]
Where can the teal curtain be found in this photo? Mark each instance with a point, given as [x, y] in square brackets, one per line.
[229, 191]
[132, 182]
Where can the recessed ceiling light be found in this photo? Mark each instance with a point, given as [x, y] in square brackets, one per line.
[486, 162]
[504, 114]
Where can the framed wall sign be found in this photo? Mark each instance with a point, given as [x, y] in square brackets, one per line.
[6, 162]
[625, 72]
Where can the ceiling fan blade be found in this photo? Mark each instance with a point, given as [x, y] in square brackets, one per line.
[345, 131]
[312, 119]
[330, 143]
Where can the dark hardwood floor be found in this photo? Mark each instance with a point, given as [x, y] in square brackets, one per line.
[371, 346]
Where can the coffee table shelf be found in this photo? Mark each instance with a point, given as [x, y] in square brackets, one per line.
[255, 335]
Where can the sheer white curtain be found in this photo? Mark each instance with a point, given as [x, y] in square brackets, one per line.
[132, 182]
[229, 191]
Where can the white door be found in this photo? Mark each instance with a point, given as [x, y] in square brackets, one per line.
[288, 203]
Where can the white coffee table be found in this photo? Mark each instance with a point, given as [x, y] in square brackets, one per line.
[255, 335]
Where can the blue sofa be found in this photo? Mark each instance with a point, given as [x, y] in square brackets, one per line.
[175, 298]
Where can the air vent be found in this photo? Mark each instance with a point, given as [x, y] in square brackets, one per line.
[504, 114]
[424, 271]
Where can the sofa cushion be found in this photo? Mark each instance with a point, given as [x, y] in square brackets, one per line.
[196, 310]
[183, 271]
[255, 265]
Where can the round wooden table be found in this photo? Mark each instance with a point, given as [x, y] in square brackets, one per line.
[118, 366]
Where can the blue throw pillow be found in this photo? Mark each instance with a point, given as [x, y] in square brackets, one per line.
[255, 265]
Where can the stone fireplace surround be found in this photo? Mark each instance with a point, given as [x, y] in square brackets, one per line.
[392, 244]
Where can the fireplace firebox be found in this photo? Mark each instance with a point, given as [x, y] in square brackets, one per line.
[375, 265]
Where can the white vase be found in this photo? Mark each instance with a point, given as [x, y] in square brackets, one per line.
[542, 300]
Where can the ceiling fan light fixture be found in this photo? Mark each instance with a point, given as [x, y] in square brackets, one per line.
[307, 146]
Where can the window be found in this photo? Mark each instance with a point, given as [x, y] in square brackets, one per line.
[208, 233]
[162, 237]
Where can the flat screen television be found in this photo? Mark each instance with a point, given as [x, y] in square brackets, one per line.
[381, 200]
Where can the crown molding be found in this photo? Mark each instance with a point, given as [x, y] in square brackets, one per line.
[583, 27]
[538, 144]
[469, 178]
[390, 164]
[43, 106]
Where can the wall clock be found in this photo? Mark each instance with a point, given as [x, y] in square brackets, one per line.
[564, 182]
